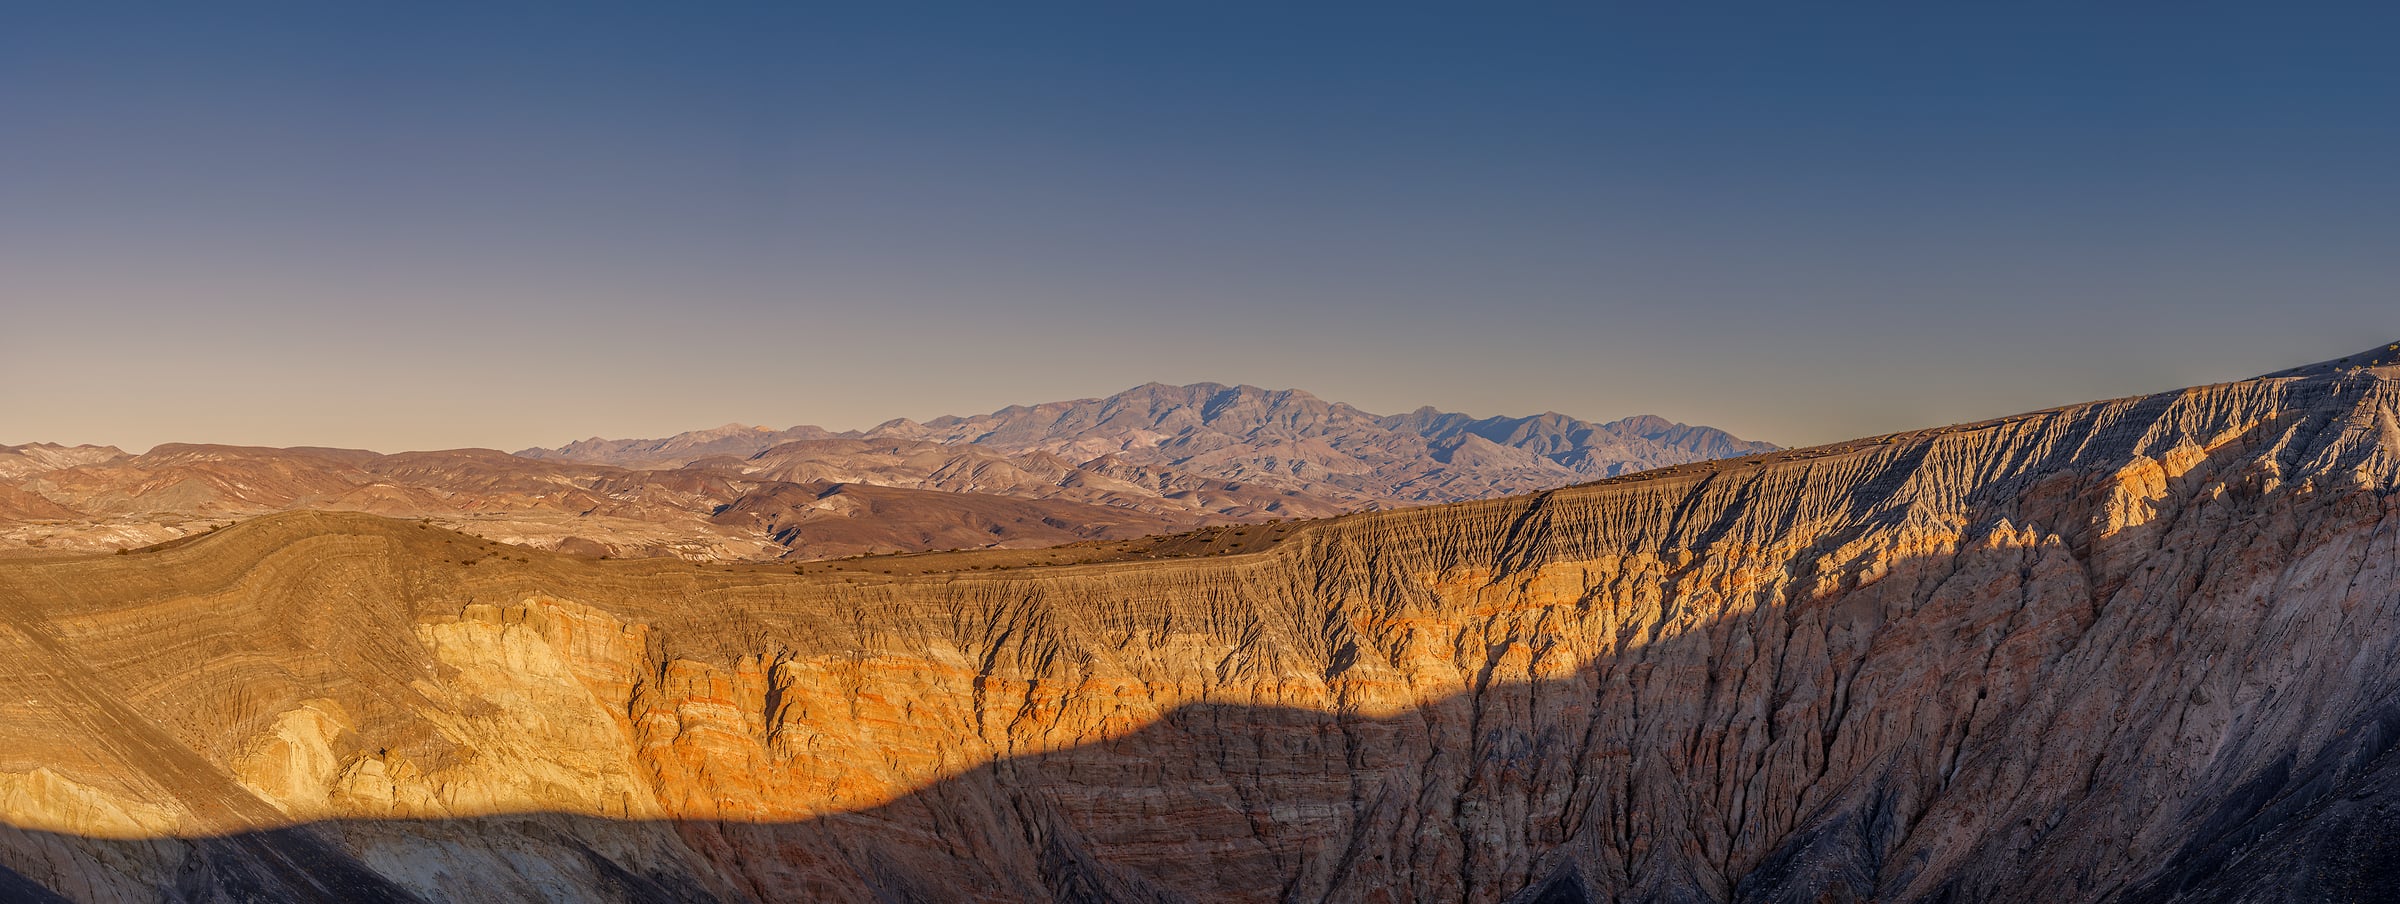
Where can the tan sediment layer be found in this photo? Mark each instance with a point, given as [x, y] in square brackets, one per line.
[2033, 656]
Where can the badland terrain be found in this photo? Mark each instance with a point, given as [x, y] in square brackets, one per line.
[2137, 650]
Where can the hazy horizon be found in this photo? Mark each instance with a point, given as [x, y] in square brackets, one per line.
[665, 432]
[440, 227]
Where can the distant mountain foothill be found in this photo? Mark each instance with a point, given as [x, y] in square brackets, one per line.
[1149, 460]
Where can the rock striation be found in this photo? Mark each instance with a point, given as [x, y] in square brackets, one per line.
[2130, 651]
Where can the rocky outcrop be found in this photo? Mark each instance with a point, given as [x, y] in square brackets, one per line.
[2128, 651]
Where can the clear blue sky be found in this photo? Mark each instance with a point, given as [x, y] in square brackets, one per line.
[414, 226]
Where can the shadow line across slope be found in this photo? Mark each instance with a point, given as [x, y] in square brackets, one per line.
[2040, 658]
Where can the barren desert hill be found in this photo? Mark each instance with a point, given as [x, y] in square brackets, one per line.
[739, 493]
[17, 462]
[2128, 651]
[892, 519]
[968, 468]
[734, 440]
[119, 501]
[1286, 439]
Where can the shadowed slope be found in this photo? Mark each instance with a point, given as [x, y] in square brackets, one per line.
[2111, 652]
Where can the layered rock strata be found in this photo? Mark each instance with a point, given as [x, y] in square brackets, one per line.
[2137, 650]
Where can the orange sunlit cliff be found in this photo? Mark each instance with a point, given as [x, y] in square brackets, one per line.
[2115, 651]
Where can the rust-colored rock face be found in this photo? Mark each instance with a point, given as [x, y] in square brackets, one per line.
[2139, 650]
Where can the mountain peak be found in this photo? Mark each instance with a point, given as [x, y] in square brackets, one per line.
[1194, 393]
[1999, 642]
[1173, 439]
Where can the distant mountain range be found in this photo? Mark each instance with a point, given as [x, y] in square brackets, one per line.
[1149, 460]
[1168, 437]
[2135, 651]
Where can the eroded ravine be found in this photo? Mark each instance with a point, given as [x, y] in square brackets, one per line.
[2107, 652]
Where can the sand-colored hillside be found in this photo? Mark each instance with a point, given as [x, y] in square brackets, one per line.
[2127, 651]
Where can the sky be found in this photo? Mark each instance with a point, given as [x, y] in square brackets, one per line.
[412, 226]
